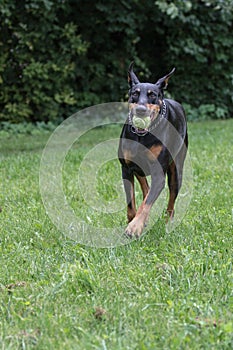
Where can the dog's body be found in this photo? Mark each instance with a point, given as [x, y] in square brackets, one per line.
[153, 142]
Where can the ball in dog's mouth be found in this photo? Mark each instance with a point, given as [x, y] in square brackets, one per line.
[143, 123]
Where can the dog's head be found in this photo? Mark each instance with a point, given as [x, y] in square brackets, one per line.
[145, 99]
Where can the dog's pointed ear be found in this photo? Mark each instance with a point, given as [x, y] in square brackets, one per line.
[163, 82]
[132, 78]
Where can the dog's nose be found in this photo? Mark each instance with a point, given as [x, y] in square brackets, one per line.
[141, 110]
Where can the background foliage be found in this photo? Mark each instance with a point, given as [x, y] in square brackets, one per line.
[57, 57]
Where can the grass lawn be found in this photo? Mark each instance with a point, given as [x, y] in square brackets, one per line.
[166, 291]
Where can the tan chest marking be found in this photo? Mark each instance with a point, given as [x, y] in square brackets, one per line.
[127, 156]
[154, 152]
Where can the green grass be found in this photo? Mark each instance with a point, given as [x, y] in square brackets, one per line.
[166, 291]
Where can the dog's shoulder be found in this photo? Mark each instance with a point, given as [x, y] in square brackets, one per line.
[173, 105]
[175, 109]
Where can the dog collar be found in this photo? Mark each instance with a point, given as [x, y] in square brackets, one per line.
[139, 132]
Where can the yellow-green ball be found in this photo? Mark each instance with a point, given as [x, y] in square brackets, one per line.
[141, 123]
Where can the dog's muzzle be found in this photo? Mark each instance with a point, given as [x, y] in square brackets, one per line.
[143, 116]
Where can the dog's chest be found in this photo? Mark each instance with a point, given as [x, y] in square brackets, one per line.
[139, 155]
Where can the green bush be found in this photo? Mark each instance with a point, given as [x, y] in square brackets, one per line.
[40, 49]
[198, 36]
[205, 112]
[57, 57]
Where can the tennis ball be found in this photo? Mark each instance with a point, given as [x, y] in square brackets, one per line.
[141, 123]
[147, 121]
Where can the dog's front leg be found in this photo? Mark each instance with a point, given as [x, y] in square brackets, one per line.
[128, 180]
[136, 226]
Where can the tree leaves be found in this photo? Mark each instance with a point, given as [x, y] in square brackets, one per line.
[59, 56]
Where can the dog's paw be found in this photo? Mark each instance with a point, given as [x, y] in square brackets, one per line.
[135, 228]
[170, 216]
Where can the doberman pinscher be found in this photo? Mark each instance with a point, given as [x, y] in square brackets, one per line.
[153, 142]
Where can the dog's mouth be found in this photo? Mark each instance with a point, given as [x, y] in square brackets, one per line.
[142, 123]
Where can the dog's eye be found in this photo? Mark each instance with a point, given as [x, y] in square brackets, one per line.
[151, 94]
[135, 93]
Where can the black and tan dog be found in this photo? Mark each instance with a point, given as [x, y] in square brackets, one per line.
[153, 142]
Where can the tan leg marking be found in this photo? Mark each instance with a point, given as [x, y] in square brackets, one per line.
[136, 226]
[143, 184]
[172, 191]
